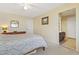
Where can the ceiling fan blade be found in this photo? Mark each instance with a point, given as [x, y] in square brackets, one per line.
[28, 5]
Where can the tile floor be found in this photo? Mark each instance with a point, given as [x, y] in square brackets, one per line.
[69, 43]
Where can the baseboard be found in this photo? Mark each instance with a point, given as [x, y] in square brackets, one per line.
[71, 38]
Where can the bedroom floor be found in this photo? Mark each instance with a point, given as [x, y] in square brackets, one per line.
[56, 50]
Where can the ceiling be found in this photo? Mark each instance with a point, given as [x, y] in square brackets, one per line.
[35, 10]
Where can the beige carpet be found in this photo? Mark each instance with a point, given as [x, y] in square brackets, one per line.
[69, 43]
[56, 50]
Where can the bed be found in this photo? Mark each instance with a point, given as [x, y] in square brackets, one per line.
[20, 44]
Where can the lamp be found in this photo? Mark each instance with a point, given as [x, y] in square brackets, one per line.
[4, 28]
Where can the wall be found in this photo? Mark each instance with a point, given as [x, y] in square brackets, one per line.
[64, 24]
[51, 31]
[25, 24]
[77, 29]
[71, 27]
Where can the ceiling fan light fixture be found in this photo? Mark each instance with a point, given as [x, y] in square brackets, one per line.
[25, 8]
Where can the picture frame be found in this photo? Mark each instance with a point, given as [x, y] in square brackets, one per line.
[45, 20]
[14, 24]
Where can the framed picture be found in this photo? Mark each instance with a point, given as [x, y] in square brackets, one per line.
[14, 23]
[45, 20]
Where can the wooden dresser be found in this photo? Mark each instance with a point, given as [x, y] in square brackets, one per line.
[21, 32]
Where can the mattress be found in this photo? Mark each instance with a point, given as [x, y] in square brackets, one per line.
[20, 44]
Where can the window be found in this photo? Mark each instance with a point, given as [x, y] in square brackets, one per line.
[14, 24]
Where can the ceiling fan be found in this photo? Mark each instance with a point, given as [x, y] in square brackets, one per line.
[27, 5]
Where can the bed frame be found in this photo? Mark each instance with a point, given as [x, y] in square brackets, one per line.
[35, 49]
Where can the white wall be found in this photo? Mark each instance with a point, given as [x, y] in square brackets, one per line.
[77, 29]
[51, 31]
[25, 24]
[71, 27]
[60, 25]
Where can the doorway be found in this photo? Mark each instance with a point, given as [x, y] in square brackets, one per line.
[67, 28]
